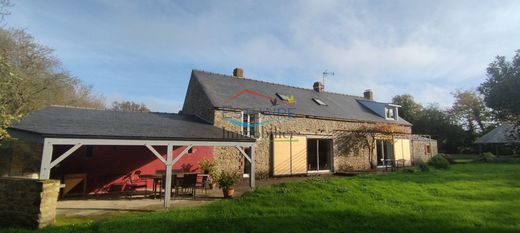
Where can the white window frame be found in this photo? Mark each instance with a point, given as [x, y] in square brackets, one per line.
[319, 102]
[387, 111]
[247, 132]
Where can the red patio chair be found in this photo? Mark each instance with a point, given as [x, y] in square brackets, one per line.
[132, 182]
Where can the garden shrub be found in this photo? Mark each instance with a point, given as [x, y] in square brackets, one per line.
[449, 158]
[424, 167]
[409, 170]
[488, 157]
[439, 162]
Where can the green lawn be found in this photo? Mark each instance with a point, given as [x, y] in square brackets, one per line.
[466, 198]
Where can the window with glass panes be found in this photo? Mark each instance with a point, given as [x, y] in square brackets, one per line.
[249, 124]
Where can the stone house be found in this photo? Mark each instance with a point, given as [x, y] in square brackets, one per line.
[296, 128]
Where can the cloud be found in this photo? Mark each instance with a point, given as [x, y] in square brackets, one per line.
[145, 50]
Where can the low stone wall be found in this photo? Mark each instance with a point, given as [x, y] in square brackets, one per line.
[28, 202]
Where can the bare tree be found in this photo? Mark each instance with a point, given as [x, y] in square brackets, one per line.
[31, 78]
[4, 5]
[129, 106]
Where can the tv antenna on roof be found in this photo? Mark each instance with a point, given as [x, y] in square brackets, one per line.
[326, 73]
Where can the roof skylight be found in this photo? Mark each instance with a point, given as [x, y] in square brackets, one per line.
[320, 102]
[282, 97]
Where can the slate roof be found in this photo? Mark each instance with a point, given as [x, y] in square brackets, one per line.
[220, 88]
[89, 123]
[501, 134]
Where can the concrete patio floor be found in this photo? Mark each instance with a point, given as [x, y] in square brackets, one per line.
[102, 206]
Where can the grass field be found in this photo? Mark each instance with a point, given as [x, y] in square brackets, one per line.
[472, 197]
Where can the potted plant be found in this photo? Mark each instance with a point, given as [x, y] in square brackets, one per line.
[227, 181]
[207, 165]
[214, 175]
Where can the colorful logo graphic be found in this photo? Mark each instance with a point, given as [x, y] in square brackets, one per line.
[280, 110]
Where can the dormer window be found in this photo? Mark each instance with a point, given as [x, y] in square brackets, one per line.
[391, 113]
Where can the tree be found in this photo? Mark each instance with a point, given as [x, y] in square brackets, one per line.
[4, 4]
[501, 88]
[129, 106]
[437, 123]
[7, 80]
[410, 110]
[469, 111]
[31, 78]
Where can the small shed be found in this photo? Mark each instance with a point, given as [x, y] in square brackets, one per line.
[503, 134]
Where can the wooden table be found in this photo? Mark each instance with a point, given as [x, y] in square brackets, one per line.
[156, 180]
[180, 177]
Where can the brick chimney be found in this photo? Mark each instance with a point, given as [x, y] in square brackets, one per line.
[368, 94]
[318, 87]
[238, 72]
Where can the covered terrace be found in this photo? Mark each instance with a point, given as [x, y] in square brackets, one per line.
[71, 129]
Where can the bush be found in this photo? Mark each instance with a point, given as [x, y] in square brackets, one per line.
[439, 162]
[449, 158]
[488, 157]
[424, 167]
[409, 170]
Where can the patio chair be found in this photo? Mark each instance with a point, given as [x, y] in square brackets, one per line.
[132, 182]
[189, 182]
[175, 185]
[203, 184]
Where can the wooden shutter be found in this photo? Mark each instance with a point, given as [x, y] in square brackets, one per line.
[402, 150]
[299, 154]
[290, 155]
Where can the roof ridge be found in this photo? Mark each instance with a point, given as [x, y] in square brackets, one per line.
[78, 107]
[273, 83]
[110, 110]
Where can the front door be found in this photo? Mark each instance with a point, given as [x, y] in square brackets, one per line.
[319, 155]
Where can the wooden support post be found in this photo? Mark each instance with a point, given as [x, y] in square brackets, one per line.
[244, 153]
[252, 182]
[157, 154]
[168, 184]
[45, 168]
[182, 154]
[65, 155]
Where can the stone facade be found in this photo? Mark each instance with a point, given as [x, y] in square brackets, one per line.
[420, 152]
[197, 102]
[230, 160]
[28, 202]
[20, 158]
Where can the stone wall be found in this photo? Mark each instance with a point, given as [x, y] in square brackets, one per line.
[197, 102]
[419, 151]
[20, 158]
[228, 159]
[28, 202]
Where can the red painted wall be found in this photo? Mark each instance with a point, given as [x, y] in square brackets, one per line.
[107, 165]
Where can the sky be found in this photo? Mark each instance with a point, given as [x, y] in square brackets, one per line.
[144, 51]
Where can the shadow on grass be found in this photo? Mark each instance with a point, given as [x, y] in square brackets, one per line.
[473, 172]
[319, 221]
